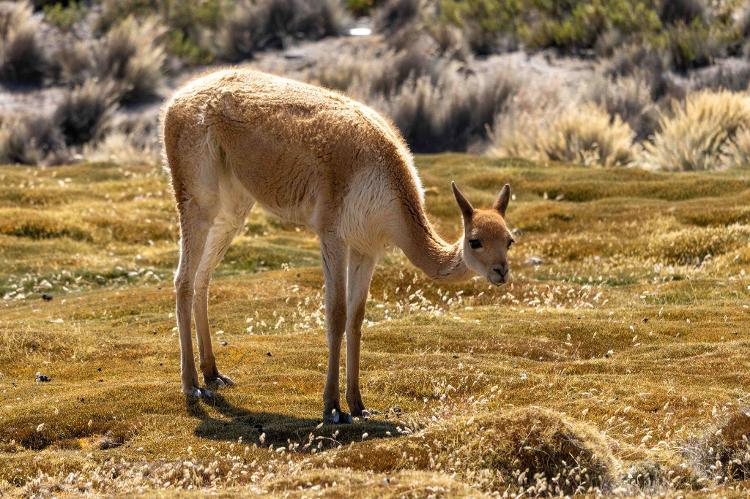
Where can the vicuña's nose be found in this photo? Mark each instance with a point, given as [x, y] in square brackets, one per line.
[500, 269]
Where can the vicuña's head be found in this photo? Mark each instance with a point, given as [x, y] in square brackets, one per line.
[486, 237]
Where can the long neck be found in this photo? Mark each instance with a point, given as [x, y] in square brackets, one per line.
[423, 246]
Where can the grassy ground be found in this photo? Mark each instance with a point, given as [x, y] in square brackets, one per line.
[620, 363]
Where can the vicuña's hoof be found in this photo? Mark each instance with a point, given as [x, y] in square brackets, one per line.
[336, 417]
[218, 381]
[193, 392]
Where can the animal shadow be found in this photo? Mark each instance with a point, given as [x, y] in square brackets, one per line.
[279, 429]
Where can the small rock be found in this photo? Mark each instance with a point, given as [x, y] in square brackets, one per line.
[42, 378]
[224, 343]
[534, 260]
[108, 442]
[46, 297]
[517, 232]
[396, 409]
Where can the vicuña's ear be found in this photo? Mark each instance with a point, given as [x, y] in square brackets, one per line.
[501, 203]
[466, 209]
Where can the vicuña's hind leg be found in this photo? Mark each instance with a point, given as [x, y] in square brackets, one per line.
[194, 225]
[334, 253]
[220, 236]
[360, 274]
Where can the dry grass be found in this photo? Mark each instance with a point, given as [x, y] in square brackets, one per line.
[608, 367]
[132, 55]
[22, 59]
[701, 133]
[585, 135]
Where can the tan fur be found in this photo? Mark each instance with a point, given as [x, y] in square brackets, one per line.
[235, 138]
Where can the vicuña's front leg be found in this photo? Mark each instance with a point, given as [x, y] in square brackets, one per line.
[334, 255]
[360, 273]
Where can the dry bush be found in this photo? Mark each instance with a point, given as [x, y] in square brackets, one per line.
[530, 450]
[73, 61]
[132, 55]
[585, 135]
[395, 15]
[260, 24]
[724, 452]
[31, 140]
[734, 75]
[629, 98]
[22, 58]
[699, 134]
[672, 11]
[85, 112]
[452, 113]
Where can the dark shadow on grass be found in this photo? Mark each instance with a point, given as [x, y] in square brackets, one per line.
[279, 429]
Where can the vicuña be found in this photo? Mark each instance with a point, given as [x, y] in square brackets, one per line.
[235, 138]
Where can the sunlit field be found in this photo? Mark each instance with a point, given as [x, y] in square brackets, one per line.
[616, 361]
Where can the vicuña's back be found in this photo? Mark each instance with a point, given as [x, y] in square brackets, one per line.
[307, 154]
[236, 138]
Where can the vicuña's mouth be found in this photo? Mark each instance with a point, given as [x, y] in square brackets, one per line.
[497, 280]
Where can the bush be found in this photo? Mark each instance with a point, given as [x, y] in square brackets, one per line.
[701, 133]
[451, 114]
[724, 452]
[22, 59]
[72, 61]
[85, 112]
[628, 98]
[31, 140]
[672, 11]
[395, 15]
[132, 56]
[260, 24]
[585, 135]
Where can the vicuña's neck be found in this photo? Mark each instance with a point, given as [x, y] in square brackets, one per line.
[424, 247]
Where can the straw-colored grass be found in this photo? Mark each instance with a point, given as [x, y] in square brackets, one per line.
[610, 367]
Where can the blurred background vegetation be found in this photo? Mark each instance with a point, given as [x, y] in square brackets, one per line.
[651, 83]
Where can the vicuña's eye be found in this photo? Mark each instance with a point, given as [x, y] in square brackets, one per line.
[475, 243]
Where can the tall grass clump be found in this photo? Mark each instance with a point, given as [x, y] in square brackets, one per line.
[22, 57]
[132, 55]
[628, 98]
[700, 133]
[85, 112]
[31, 140]
[723, 454]
[585, 135]
[255, 25]
[450, 114]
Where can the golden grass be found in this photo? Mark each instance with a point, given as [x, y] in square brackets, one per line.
[618, 365]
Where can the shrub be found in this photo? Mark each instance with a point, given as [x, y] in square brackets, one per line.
[588, 136]
[85, 112]
[22, 59]
[585, 135]
[723, 453]
[628, 98]
[395, 15]
[64, 16]
[450, 114]
[692, 46]
[31, 140]
[259, 24]
[132, 56]
[701, 133]
[72, 61]
[672, 11]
